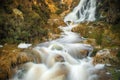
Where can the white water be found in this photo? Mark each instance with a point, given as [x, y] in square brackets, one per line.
[85, 11]
[24, 45]
[61, 58]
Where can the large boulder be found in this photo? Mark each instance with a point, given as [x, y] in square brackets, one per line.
[106, 56]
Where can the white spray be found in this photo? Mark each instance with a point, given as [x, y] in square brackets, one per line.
[85, 11]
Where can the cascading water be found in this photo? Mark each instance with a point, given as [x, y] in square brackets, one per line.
[61, 58]
[85, 11]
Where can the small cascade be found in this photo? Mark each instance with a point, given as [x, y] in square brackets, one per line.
[85, 11]
[65, 58]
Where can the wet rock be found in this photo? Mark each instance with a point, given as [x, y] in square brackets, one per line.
[1, 46]
[18, 13]
[90, 41]
[52, 36]
[24, 45]
[103, 76]
[84, 53]
[30, 55]
[106, 56]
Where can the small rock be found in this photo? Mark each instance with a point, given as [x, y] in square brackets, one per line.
[24, 45]
[90, 41]
[17, 13]
[1, 46]
[105, 56]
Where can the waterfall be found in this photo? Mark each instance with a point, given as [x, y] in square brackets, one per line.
[62, 58]
[85, 11]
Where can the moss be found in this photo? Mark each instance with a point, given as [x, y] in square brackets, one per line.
[35, 7]
[116, 29]
[98, 36]
[59, 11]
[111, 10]
[118, 55]
[94, 52]
[14, 29]
[20, 7]
[115, 74]
[9, 1]
[7, 9]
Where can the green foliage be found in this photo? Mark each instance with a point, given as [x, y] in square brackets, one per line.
[116, 29]
[61, 8]
[115, 74]
[35, 7]
[5, 2]
[5, 5]
[9, 1]
[59, 11]
[7, 9]
[118, 55]
[41, 12]
[20, 7]
[15, 30]
[98, 35]
[99, 38]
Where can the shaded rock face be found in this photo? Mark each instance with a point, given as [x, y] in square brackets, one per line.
[110, 10]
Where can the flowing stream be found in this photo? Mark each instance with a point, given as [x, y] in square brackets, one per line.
[62, 59]
[85, 11]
